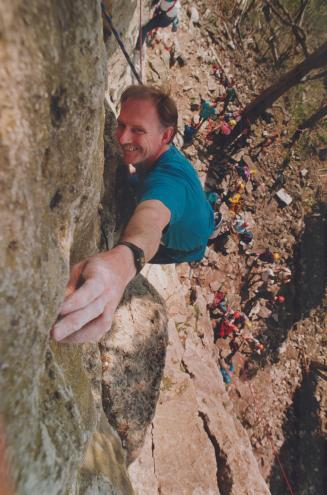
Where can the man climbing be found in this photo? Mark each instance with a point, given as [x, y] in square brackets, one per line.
[230, 96]
[226, 366]
[189, 133]
[206, 112]
[171, 222]
[165, 14]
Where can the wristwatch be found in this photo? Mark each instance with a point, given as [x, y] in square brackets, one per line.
[138, 254]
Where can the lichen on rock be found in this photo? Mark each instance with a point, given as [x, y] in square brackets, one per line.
[133, 357]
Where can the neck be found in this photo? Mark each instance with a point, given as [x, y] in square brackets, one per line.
[149, 164]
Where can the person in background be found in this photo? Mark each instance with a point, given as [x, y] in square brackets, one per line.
[165, 14]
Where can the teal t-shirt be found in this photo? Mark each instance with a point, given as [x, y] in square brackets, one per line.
[206, 110]
[175, 183]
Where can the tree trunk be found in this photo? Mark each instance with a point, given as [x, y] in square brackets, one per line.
[254, 109]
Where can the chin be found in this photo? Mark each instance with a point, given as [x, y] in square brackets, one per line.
[128, 161]
[136, 162]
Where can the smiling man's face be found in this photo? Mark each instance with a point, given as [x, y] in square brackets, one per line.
[142, 137]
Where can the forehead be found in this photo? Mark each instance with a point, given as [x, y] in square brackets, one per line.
[139, 110]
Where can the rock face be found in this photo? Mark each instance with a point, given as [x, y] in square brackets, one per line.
[133, 357]
[52, 90]
[125, 18]
[194, 445]
[67, 410]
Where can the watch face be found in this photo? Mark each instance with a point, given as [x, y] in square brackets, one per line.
[139, 262]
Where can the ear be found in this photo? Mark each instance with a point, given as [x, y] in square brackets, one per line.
[167, 135]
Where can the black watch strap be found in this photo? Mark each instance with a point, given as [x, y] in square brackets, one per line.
[138, 254]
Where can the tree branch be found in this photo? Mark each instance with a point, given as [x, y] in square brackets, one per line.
[245, 10]
[253, 110]
[299, 16]
[320, 75]
[287, 20]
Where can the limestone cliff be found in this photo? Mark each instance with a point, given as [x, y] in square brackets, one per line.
[62, 406]
[53, 79]
[195, 444]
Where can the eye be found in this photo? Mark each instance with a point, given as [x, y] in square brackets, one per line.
[120, 125]
[138, 130]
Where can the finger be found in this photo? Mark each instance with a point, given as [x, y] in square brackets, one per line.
[74, 278]
[87, 293]
[77, 319]
[92, 332]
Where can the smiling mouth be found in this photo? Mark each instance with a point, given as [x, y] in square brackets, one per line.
[129, 148]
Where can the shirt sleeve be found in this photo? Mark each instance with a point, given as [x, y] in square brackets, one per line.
[169, 190]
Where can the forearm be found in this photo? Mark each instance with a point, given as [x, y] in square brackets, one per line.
[146, 225]
[96, 284]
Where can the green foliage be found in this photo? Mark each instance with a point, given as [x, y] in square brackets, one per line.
[305, 99]
[314, 22]
[322, 133]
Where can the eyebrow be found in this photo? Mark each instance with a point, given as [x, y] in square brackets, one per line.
[139, 126]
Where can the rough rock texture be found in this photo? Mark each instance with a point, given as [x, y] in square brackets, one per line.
[125, 19]
[57, 175]
[195, 445]
[133, 357]
[52, 84]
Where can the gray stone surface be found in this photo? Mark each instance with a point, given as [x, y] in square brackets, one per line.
[52, 85]
[125, 18]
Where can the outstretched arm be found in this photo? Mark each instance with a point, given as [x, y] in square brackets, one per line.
[146, 225]
[97, 284]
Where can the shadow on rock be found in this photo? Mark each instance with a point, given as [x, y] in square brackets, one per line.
[218, 168]
[133, 358]
[306, 290]
[304, 453]
[310, 264]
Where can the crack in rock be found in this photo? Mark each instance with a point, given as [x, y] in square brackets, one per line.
[186, 370]
[224, 474]
[153, 458]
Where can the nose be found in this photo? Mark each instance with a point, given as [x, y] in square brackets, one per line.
[123, 135]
